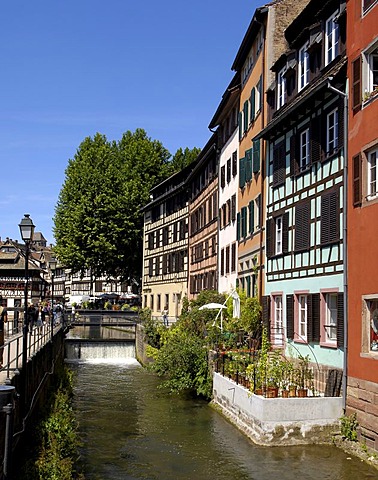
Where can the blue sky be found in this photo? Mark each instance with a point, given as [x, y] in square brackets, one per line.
[76, 67]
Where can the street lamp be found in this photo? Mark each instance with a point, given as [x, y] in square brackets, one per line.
[52, 266]
[27, 230]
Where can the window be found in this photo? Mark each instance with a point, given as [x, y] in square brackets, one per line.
[229, 170]
[158, 302]
[331, 311]
[277, 333]
[304, 149]
[223, 176]
[331, 39]
[372, 65]
[370, 324]
[279, 163]
[372, 191]
[258, 212]
[233, 207]
[151, 302]
[227, 268]
[332, 132]
[281, 88]
[277, 235]
[368, 3]
[278, 244]
[303, 67]
[234, 163]
[233, 257]
[302, 317]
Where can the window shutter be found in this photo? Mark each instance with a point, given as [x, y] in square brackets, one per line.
[266, 313]
[233, 207]
[256, 156]
[285, 232]
[223, 176]
[242, 173]
[251, 216]
[248, 165]
[244, 222]
[222, 262]
[357, 180]
[315, 143]
[290, 316]
[330, 218]
[316, 317]
[253, 104]
[240, 122]
[234, 163]
[302, 226]
[356, 84]
[269, 240]
[294, 155]
[313, 317]
[238, 226]
[309, 319]
[340, 320]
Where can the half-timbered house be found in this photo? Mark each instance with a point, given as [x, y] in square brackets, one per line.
[303, 305]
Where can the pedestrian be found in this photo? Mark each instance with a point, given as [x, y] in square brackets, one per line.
[3, 320]
[165, 315]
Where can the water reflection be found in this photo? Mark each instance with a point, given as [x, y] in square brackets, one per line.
[132, 430]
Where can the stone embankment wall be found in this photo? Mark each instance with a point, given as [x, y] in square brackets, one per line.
[140, 346]
[363, 399]
[277, 421]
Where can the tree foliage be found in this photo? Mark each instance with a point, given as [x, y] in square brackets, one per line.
[98, 222]
[183, 158]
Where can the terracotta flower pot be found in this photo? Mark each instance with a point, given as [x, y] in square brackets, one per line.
[302, 392]
[285, 393]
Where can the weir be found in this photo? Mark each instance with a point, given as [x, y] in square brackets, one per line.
[84, 349]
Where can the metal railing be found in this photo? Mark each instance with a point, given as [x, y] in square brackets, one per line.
[37, 337]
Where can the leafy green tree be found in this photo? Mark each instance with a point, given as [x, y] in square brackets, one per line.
[183, 158]
[98, 223]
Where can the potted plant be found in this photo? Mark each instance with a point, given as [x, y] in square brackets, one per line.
[304, 376]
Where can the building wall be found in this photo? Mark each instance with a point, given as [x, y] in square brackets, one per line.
[227, 233]
[362, 393]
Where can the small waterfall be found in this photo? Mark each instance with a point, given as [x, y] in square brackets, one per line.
[100, 351]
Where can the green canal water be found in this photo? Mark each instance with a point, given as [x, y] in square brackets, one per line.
[131, 430]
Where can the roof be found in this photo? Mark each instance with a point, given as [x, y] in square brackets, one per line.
[303, 96]
[249, 37]
[228, 99]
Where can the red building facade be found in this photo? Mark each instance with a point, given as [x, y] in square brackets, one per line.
[362, 365]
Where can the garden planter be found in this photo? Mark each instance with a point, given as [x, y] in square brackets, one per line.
[285, 393]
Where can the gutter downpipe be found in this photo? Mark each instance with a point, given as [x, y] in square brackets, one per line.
[345, 251]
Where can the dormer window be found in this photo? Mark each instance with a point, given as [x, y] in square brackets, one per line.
[281, 88]
[331, 39]
[303, 67]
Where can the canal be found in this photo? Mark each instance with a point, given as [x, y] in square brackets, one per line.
[132, 430]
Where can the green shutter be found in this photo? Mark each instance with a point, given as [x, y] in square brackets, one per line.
[248, 165]
[253, 104]
[245, 115]
[238, 226]
[242, 172]
[256, 156]
[251, 208]
[240, 122]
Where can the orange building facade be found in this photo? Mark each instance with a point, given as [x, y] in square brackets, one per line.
[362, 365]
